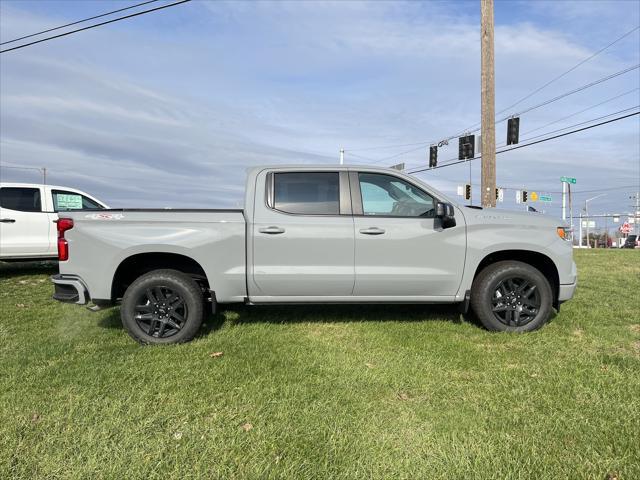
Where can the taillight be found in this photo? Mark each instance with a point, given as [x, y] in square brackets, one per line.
[63, 224]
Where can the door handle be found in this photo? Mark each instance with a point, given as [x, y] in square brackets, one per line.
[7, 220]
[271, 230]
[372, 231]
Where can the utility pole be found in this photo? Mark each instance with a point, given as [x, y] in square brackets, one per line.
[564, 201]
[488, 117]
[342, 156]
[636, 213]
[44, 175]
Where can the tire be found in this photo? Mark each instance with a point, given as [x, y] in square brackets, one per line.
[162, 307]
[511, 296]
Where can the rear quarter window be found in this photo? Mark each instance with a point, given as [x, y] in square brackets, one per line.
[63, 201]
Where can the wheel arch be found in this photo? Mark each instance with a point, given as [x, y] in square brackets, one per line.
[139, 264]
[538, 260]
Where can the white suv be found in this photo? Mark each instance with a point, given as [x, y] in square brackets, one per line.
[28, 213]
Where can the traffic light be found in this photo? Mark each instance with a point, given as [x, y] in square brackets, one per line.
[525, 196]
[467, 192]
[466, 147]
[433, 156]
[513, 130]
[497, 193]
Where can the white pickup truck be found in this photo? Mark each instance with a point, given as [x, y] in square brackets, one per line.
[28, 213]
[316, 234]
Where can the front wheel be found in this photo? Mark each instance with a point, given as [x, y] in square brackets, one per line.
[162, 307]
[511, 296]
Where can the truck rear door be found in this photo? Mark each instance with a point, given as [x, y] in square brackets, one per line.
[24, 226]
[303, 242]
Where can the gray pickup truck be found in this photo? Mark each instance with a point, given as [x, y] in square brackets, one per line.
[315, 234]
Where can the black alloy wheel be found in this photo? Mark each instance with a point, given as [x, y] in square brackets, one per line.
[516, 302]
[161, 312]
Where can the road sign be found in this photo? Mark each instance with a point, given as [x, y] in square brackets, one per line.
[501, 195]
[588, 224]
[568, 179]
[461, 190]
[534, 197]
[625, 228]
[545, 198]
[399, 166]
[518, 196]
[616, 219]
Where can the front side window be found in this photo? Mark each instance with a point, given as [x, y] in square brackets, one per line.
[389, 196]
[21, 199]
[307, 193]
[64, 201]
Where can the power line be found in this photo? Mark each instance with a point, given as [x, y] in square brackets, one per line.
[581, 111]
[452, 162]
[79, 21]
[542, 104]
[21, 168]
[398, 154]
[578, 130]
[545, 190]
[568, 71]
[571, 92]
[504, 144]
[530, 138]
[95, 25]
[582, 62]
[581, 123]
[359, 156]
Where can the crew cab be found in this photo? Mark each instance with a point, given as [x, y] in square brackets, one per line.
[315, 234]
[28, 213]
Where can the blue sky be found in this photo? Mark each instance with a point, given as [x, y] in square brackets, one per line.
[170, 108]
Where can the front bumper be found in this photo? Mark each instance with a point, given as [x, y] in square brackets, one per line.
[70, 289]
[565, 292]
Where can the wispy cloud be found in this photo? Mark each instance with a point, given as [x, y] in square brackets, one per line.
[172, 109]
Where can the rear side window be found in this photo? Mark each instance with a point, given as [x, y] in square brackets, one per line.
[307, 193]
[21, 199]
[64, 201]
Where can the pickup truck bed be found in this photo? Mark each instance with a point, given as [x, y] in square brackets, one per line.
[109, 243]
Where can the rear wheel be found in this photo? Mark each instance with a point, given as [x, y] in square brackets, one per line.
[512, 296]
[162, 307]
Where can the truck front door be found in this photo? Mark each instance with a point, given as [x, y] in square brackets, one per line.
[303, 242]
[399, 252]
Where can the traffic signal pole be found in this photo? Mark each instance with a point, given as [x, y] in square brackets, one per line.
[488, 183]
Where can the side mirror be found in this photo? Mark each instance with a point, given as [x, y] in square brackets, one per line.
[445, 216]
[444, 210]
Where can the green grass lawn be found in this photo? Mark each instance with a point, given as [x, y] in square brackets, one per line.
[324, 392]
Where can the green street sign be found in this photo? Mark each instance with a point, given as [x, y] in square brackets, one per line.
[568, 179]
[545, 198]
